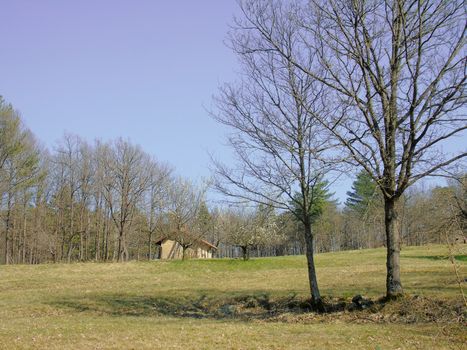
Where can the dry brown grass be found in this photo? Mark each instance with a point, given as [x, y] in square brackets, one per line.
[231, 304]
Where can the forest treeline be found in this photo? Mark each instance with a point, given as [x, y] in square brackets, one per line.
[112, 201]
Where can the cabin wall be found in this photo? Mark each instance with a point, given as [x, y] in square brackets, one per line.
[173, 250]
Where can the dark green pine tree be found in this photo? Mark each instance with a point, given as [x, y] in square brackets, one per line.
[204, 220]
[364, 193]
[320, 197]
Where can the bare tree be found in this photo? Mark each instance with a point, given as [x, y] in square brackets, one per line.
[103, 221]
[19, 169]
[393, 77]
[282, 156]
[85, 179]
[68, 165]
[127, 178]
[184, 205]
[156, 199]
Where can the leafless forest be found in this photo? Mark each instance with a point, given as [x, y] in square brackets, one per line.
[113, 201]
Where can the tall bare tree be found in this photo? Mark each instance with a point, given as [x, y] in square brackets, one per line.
[393, 77]
[156, 199]
[68, 181]
[282, 156]
[127, 178]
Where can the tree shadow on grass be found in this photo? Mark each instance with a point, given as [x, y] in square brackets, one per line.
[437, 257]
[241, 307]
[259, 306]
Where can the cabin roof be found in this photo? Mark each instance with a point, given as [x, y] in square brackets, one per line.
[198, 240]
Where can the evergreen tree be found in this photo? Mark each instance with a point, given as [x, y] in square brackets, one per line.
[320, 197]
[204, 221]
[364, 193]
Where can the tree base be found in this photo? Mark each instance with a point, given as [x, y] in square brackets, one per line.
[318, 306]
[393, 296]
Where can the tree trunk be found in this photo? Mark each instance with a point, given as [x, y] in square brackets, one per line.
[393, 278]
[81, 237]
[87, 237]
[62, 230]
[315, 295]
[105, 238]
[7, 230]
[120, 248]
[23, 246]
[7, 246]
[70, 250]
[245, 253]
[150, 230]
[150, 245]
[97, 241]
[72, 227]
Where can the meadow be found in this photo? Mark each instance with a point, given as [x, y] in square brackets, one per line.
[232, 304]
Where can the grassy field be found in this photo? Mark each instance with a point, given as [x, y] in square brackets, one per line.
[204, 304]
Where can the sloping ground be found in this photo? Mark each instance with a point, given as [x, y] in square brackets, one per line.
[231, 304]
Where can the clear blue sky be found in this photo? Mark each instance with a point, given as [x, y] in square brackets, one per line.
[140, 69]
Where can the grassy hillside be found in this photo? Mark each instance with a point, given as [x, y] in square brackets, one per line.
[204, 304]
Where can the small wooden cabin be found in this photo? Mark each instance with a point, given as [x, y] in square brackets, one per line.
[170, 249]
